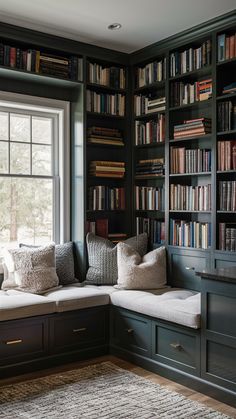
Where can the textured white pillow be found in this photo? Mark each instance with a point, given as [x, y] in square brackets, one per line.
[30, 269]
[136, 272]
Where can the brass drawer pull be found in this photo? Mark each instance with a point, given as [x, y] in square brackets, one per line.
[82, 329]
[129, 330]
[176, 346]
[13, 342]
[189, 268]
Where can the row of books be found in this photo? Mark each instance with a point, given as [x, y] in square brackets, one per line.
[100, 227]
[155, 229]
[109, 169]
[106, 76]
[104, 135]
[185, 93]
[144, 105]
[190, 198]
[105, 198]
[41, 62]
[226, 155]
[227, 237]
[226, 116]
[150, 132]
[150, 168]
[190, 59]
[227, 192]
[192, 128]
[150, 198]
[190, 234]
[106, 103]
[151, 73]
[184, 160]
[226, 46]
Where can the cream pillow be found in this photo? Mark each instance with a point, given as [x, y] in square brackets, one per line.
[30, 269]
[136, 272]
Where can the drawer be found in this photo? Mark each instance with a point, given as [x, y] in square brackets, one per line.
[130, 331]
[79, 329]
[22, 339]
[177, 347]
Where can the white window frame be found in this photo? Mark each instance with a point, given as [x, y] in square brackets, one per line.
[60, 110]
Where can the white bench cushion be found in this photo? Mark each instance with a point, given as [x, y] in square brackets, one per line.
[75, 297]
[178, 306]
[17, 305]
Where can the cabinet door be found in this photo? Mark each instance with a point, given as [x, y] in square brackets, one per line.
[130, 331]
[80, 329]
[176, 346]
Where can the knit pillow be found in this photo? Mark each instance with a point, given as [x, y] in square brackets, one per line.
[31, 270]
[135, 272]
[102, 258]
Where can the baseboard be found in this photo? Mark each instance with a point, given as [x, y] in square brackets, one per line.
[196, 383]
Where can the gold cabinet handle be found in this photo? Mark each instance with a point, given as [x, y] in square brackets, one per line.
[13, 342]
[82, 329]
[129, 330]
[189, 268]
[176, 346]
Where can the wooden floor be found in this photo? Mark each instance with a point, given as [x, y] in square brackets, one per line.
[171, 385]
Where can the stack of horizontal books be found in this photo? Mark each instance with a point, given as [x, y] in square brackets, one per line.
[157, 104]
[109, 169]
[230, 88]
[192, 128]
[150, 168]
[104, 135]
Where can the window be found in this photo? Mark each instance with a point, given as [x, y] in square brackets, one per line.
[33, 174]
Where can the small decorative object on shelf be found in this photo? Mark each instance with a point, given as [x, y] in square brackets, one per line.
[105, 136]
[192, 128]
[226, 46]
[151, 131]
[226, 116]
[226, 155]
[113, 77]
[151, 73]
[144, 105]
[184, 160]
[106, 198]
[190, 59]
[227, 237]
[106, 103]
[150, 198]
[109, 169]
[190, 198]
[185, 93]
[155, 229]
[190, 234]
[150, 168]
[227, 195]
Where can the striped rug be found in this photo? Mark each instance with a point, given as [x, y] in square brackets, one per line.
[101, 391]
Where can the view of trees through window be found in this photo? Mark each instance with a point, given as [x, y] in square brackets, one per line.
[26, 178]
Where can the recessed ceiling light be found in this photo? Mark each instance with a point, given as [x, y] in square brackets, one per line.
[114, 26]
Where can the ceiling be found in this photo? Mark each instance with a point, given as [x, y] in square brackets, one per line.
[143, 21]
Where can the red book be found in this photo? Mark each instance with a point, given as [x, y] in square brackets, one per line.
[227, 48]
[231, 46]
[102, 227]
[12, 57]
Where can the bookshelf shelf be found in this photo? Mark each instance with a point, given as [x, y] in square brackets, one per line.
[105, 211]
[102, 87]
[195, 73]
[199, 137]
[148, 116]
[156, 212]
[102, 115]
[231, 132]
[152, 86]
[227, 96]
[190, 174]
[152, 145]
[190, 211]
[225, 172]
[194, 105]
[199, 249]
[149, 177]
[98, 145]
[226, 62]
[226, 212]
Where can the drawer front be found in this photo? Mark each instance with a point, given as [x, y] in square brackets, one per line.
[221, 314]
[80, 329]
[131, 331]
[23, 339]
[183, 268]
[176, 347]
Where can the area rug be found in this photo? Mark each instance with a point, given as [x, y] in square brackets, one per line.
[101, 391]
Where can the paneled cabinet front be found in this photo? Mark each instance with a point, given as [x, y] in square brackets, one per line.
[130, 331]
[80, 329]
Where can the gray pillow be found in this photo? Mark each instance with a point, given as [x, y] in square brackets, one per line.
[64, 262]
[102, 258]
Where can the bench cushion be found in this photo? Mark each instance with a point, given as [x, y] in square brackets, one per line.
[17, 305]
[76, 297]
[178, 306]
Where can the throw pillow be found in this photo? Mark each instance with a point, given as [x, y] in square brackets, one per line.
[31, 269]
[102, 258]
[64, 262]
[135, 272]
